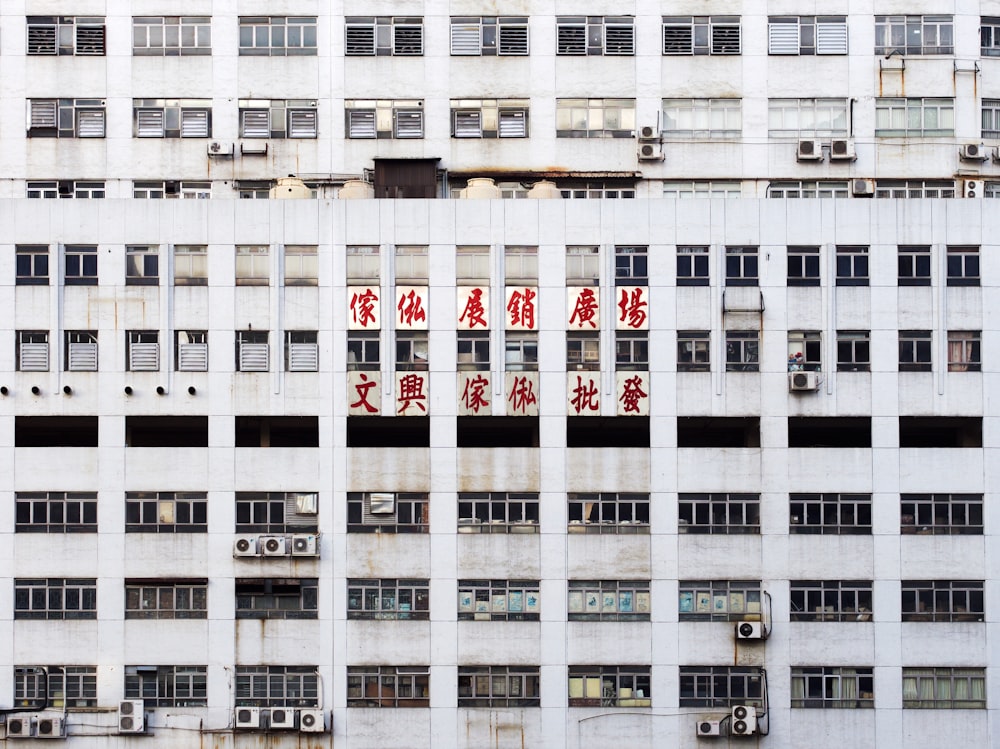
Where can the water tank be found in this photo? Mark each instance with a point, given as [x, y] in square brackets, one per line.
[288, 188]
[356, 189]
[481, 188]
[543, 190]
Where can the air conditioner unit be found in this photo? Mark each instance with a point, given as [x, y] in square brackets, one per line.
[651, 152]
[750, 630]
[973, 152]
[18, 727]
[245, 546]
[743, 721]
[803, 381]
[282, 718]
[311, 721]
[220, 150]
[863, 188]
[709, 728]
[842, 150]
[972, 188]
[273, 546]
[810, 150]
[248, 717]
[131, 716]
[50, 727]
[304, 545]
[649, 132]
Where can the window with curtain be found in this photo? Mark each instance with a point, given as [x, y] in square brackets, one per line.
[944, 688]
[832, 687]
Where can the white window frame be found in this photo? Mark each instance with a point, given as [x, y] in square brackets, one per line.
[682, 35]
[702, 118]
[167, 36]
[703, 189]
[383, 36]
[909, 35]
[832, 687]
[171, 118]
[589, 118]
[66, 35]
[808, 118]
[989, 33]
[489, 35]
[191, 350]
[278, 118]
[66, 118]
[489, 118]
[809, 189]
[33, 351]
[301, 351]
[915, 188]
[595, 35]
[382, 118]
[893, 117]
[257, 36]
[807, 35]
[253, 265]
[991, 118]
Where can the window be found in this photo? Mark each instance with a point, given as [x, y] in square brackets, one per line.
[32, 351]
[991, 189]
[166, 512]
[852, 266]
[277, 686]
[384, 118]
[807, 35]
[388, 599]
[701, 35]
[595, 35]
[362, 265]
[742, 347]
[472, 265]
[721, 686]
[963, 266]
[32, 261]
[944, 688]
[277, 36]
[692, 265]
[914, 117]
[55, 512]
[832, 687]
[964, 350]
[718, 513]
[803, 266]
[805, 351]
[473, 353]
[583, 264]
[498, 512]
[301, 265]
[914, 351]
[631, 265]
[66, 35]
[572, 190]
[489, 118]
[301, 351]
[142, 265]
[989, 30]
[942, 600]
[67, 687]
[498, 686]
[80, 354]
[277, 118]
[253, 265]
[741, 266]
[252, 351]
[388, 686]
[693, 350]
[608, 600]
[807, 118]
[595, 118]
[167, 686]
[411, 351]
[702, 118]
[171, 118]
[191, 350]
[383, 36]
[81, 265]
[385, 512]
[55, 598]
[171, 35]
[363, 351]
[608, 512]
[159, 189]
[831, 600]
[521, 352]
[254, 189]
[498, 600]
[914, 35]
[914, 265]
[190, 265]
[941, 514]
[808, 189]
[631, 352]
[719, 600]
[166, 599]
[488, 35]
[520, 265]
[583, 352]
[830, 514]
[276, 512]
[609, 686]
[411, 264]
[276, 598]
[703, 189]
[914, 188]
[991, 118]
[66, 118]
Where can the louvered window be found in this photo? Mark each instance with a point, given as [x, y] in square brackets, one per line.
[619, 39]
[409, 124]
[194, 123]
[465, 38]
[468, 124]
[571, 39]
[701, 35]
[89, 40]
[360, 124]
[33, 351]
[192, 351]
[407, 39]
[42, 39]
[513, 37]
[65, 35]
[255, 123]
[513, 124]
[143, 351]
[253, 357]
[783, 37]
[807, 35]
[43, 115]
[149, 123]
[302, 351]
[90, 123]
[359, 39]
[725, 40]
[302, 123]
[831, 37]
[383, 36]
[81, 351]
[678, 40]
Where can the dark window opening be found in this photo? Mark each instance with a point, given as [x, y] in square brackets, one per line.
[55, 431]
[388, 431]
[610, 431]
[166, 431]
[850, 431]
[940, 431]
[497, 431]
[277, 431]
[709, 431]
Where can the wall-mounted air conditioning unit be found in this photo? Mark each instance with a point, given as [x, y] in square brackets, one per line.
[863, 188]
[248, 717]
[972, 188]
[273, 546]
[245, 546]
[50, 727]
[649, 132]
[282, 718]
[304, 545]
[842, 149]
[311, 721]
[709, 728]
[743, 721]
[803, 381]
[220, 150]
[809, 150]
[131, 716]
[973, 152]
[18, 726]
[650, 152]
[749, 630]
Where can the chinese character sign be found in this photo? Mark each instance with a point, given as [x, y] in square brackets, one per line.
[583, 393]
[632, 308]
[633, 393]
[520, 308]
[411, 308]
[363, 308]
[473, 308]
[521, 391]
[411, 394]
[583, 308]
[474, 398]
[364, 393]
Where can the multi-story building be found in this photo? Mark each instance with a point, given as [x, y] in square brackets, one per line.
[557, 459]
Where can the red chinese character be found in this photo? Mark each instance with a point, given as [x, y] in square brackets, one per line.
[522, 308]
[474, 394]
[632, 393]
[474, 309]
[632, 312]
[363, 307]
[522, 394]
[363, 388]
[411, 390]
[411, 309]
[585, 309]
[585, 395]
